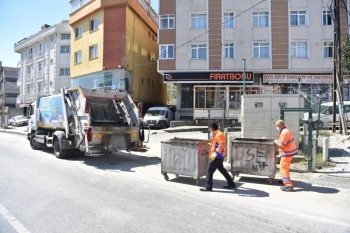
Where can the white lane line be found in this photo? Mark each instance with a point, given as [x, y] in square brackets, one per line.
[12, 220]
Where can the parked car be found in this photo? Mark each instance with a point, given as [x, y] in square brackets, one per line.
[326, 115]
[18, 121]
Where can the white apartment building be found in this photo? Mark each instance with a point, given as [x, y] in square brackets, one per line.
[44, 67]
[207, 45]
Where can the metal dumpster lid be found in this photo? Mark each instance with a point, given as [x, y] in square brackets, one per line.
[252, 139]
[186, 140]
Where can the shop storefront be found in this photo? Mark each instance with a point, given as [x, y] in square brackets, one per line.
[311, 87]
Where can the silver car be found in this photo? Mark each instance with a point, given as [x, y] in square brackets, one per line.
[18, 121]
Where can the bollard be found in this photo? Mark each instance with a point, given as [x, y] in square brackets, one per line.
[325, 149]
[313, 164]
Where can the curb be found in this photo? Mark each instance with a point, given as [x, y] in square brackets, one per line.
[13, 132]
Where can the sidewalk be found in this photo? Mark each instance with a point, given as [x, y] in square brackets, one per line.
[339, 154]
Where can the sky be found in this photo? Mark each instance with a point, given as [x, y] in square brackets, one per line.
[22, 18]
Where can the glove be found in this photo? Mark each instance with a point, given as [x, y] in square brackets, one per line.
[275, 141]
[213, 156]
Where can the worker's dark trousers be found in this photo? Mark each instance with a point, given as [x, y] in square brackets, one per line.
[217, 164]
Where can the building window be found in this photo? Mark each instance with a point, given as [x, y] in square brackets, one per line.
[41, 49]
[198, 51]
[93, 51]
[327, 18]
[198, 21]
[166, 51]
[328, 49]
[298, 18]
[94, 24]
[40, 69]
[299, 49]
[29, 70]
[65, 36]
[40, 89]
[261, 50]
[228, 20]
[29, 89]
[260, 19]
[77, 57]
[167, 21]
[78, 32]
[30, 53]
[64, 72]
[65, 49]
[229, 50]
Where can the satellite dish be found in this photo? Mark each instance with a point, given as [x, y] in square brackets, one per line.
[113, 87]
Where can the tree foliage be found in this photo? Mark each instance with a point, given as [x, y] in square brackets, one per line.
[345, 56]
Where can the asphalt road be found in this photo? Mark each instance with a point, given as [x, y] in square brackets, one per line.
[127, 193]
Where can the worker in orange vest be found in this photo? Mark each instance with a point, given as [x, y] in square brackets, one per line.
[217, 154]
[287, 149]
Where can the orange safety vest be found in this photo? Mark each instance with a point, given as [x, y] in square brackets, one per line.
[286, 143]
[218, 144]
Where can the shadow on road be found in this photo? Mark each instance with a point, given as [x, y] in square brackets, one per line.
[300, 186]
[121, 161]
[217, 187]
[337, 152]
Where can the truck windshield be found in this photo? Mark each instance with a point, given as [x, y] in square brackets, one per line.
[155, 113]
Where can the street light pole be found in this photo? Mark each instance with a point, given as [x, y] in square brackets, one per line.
[244, 77]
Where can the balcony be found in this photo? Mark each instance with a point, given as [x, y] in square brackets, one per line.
[29, 58]
[149, 11]
[29, 78]
[28, 97]
[40, 54]
[40, 75]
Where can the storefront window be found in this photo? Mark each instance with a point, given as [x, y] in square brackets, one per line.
[187, 96]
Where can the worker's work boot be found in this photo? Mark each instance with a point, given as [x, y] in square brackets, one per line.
[206, 189]
[230, 186]
[287, 188]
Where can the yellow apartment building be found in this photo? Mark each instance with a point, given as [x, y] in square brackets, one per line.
[114, 44]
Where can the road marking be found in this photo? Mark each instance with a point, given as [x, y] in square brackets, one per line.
[12, 220]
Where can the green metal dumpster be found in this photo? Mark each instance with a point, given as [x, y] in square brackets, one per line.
[253, 157]
[185, 157]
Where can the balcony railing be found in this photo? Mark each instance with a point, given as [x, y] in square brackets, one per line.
[28, 97]
[29, 57]
[149, 11]
[29, 78]
[40, 74]
[40, 54]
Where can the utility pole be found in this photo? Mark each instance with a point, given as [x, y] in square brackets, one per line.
[337, 91]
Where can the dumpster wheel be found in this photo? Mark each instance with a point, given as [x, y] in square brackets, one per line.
[271, 180]
[198, 182]
[166, 177]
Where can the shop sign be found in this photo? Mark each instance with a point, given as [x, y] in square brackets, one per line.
[208, 77]
[298, 78]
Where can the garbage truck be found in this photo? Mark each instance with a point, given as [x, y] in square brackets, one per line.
[94, 121]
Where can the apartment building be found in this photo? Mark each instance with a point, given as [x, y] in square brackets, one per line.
[8, 89]
[44, 67]
[114, 46]
[206, 47]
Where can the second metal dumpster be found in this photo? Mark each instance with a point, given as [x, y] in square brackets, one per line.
[184, 156]
[254, 157]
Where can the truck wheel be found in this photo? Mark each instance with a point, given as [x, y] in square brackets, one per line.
[59, 153]
[163, 125]
[318, 125]
[34, 144]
